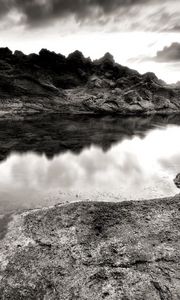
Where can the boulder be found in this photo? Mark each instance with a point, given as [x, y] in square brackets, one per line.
[5, 53]
[92, 250]
[19, 54]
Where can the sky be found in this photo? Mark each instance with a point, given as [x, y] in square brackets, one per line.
[142, 34]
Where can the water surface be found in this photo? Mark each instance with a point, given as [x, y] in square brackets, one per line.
[62, 159]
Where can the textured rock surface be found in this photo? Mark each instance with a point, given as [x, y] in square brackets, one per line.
[50, 82]
[92, 250]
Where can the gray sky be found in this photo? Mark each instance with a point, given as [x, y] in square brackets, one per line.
[130, 29]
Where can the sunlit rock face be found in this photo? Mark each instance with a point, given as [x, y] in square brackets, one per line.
[50, 82]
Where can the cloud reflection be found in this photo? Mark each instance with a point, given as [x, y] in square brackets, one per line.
[133, 169]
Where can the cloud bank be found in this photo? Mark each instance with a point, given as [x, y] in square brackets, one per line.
[169, 53]
[152, 15]
[38, 10]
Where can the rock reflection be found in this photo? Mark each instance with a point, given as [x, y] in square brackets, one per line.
[53, 135]
[79, 158]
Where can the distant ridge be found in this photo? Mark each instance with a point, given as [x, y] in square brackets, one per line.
[50, 82]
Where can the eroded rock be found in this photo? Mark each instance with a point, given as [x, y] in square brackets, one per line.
[86, 251]
[54, 82]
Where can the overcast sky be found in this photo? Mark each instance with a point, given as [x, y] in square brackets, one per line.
[143, 34]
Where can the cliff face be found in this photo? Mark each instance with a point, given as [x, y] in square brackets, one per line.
[50, 82]
[88, 251]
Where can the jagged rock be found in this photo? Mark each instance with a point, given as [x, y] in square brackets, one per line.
[150, 76]
[107, 59]
[132, 97]
[57, 79]
[105, 64]
[51, 59]
[96, 82]
[117, 91]
[76, 58]
[5, 53]
[5, 66]
[122, 83]
[19, 54]
[109, 75]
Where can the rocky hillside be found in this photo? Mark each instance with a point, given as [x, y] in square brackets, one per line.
[87, 251]
[50, 82]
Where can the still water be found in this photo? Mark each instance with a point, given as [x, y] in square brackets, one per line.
[64, 159]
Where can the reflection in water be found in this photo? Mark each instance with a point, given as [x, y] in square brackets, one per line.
[107, 159]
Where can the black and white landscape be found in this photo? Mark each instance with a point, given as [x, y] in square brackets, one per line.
[89, 149]
[51, 83]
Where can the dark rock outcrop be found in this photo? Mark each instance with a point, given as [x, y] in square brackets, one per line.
[50, 82]
[177, 180]
[88, 251]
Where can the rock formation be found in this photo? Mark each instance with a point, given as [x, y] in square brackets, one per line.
[177, 181]
[88, 251]
[50, 82]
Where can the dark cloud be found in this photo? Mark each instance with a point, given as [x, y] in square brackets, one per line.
[5, 6]
[39, 11]
[152, 15]
[169, 54]
[176, 28]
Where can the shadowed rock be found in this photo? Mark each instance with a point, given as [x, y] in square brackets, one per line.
[50, 82]
[177, 180]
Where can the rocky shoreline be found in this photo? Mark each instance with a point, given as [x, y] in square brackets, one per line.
[89, 250]
[51, 83]
[85, 250]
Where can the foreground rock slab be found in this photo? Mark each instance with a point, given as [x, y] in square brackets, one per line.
[92, 250]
